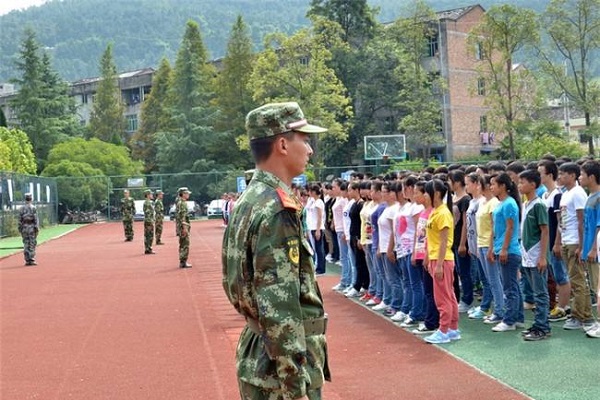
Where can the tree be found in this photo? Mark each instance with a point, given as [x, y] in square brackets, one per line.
[504, 32]
[106, 121]
[295, 68]
[155, 118]
[16, 152]
[419, 95]
[185, 149]
[573, 27]
[80, 186]
[233, 97]
[43, 106]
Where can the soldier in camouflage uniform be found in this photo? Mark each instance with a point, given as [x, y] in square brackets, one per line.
[127, 211]
[148, 222]
[268, 271]
[28, 228]
[159, 216]
[182, 222]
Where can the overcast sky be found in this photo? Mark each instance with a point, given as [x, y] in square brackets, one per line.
[9, 5]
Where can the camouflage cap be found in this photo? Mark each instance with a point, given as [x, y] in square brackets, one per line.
[158, 192]
[28, 196]
[276, 118]
[183, 190]
[147, 191]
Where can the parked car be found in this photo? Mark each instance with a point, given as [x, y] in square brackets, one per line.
[193, 210]
[215, 209]
[139, 210]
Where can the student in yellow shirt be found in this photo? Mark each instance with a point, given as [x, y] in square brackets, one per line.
[440, 261]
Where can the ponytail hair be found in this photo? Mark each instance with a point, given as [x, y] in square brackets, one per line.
[504, 179]
[437, 185]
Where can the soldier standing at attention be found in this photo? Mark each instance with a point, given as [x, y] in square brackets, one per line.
[159, 216]
[268, 271]
[127, 211]
[28, 228]
[148, 222]
[183, 226]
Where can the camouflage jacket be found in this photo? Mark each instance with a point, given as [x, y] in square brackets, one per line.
[159, 210]
[268, 276]
[148, 211]
[28, 220]
[127, 208]
[181, 215]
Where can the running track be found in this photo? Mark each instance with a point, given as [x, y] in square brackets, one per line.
[98, 319]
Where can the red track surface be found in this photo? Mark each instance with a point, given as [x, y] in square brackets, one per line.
[98, 319]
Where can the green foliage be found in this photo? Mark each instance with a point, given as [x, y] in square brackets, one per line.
[78, 194]
[415, 165]
[16, 152]
[110, 159]
[106, 121]
[155, 118]
[295, 68]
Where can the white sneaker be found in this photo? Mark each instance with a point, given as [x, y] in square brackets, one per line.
[398, 317]
[337, 287]
[338, 263]
[352, 293]
[370, 302]
[463, 307]
[328, 258]
[380, 307]
[502, 327]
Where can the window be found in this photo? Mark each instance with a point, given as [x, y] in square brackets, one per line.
[132, 122]
[84, 98]
[481, 87]
[483, 123]
[479, 53]
[304, 61]
[432, 46]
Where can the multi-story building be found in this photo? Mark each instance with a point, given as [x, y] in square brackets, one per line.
[134, 86]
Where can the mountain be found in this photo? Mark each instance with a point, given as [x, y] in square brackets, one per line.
[76, 32]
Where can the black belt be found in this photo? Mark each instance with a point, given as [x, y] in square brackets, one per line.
[312, 327]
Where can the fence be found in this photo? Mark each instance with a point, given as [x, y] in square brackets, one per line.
[13, 187]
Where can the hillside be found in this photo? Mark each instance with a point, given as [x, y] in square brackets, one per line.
[77, 31]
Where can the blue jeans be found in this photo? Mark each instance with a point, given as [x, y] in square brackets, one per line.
[351, 263]
[539, 285]
[319, 252]
[463, 265]
[371, 268]
[383, 291]
[432, 315]
[492, 274]
[346, 272]
[512, 292]
[486, 300]
[407, 300]
[525, 287]
[558, 269]
[415, 290]
[393, 276]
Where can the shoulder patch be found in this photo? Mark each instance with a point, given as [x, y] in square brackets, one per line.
[286, 200]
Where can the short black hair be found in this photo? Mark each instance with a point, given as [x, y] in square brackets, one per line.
[262, 148]
[531, 175]
[550, 167]
[592, 168]
[570, 168]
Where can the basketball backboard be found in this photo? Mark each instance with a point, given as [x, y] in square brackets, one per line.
[381, 147]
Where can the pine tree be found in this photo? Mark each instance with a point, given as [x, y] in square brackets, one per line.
[107, 122]
[155, 118]
[234, 98]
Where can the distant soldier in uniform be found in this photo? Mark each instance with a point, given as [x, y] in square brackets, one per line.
[268, 271]
[148, 222]
[183, 226]
[28, 228]
[127, 211]
[159, 216]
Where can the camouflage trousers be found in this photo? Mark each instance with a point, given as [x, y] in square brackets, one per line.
[29, 243]
[184, 247]
[158, 228]
[128, 226]
[251, 392]
[148, 235]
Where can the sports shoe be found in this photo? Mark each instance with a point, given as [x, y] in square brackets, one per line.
[454, 334]
[366, 297]
[593, 332]
[572, 324]
[588, 325]
[390, 312]
[328, 258]
[352, 293]
[398, 317]
[373, 301]
[557, 314]
[337, 287]
[528, 306]
[519, 325]
[463, 307]
[503, 327]
[380, 307]
[409, 322]
[438, 337]
[422, 330]
[478, 313]
[492, 319]
[534, 335]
